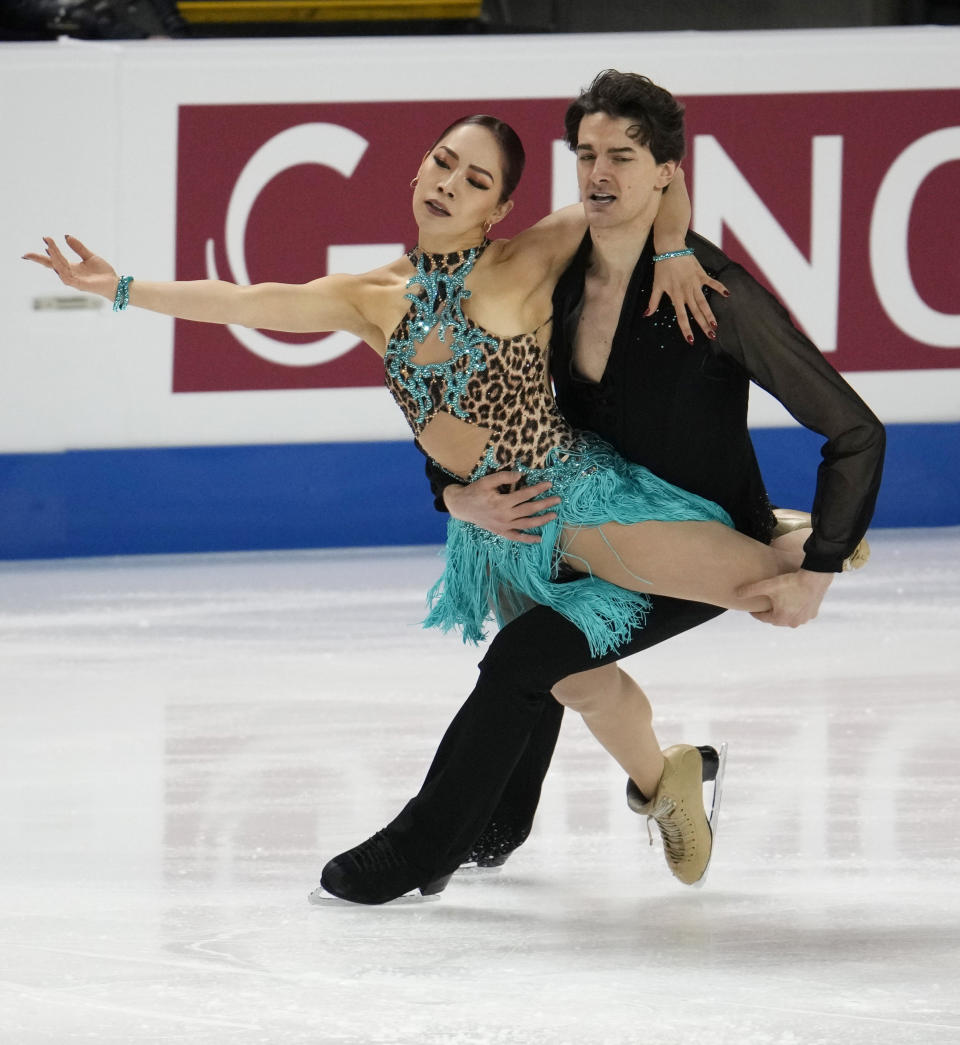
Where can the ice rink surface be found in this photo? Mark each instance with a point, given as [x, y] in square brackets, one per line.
[186, 741]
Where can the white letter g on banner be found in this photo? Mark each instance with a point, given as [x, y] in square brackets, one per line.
[329, 145]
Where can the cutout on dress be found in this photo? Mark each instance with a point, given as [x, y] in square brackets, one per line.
[455, 444]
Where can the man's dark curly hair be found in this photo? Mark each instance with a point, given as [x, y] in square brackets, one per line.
[657, 117]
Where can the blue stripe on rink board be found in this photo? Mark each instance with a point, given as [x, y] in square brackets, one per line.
[920, 475]
[231, 498]
[224, 498]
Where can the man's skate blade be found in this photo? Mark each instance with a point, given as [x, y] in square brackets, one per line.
[714, 816]
[474, 870]
[321, 898]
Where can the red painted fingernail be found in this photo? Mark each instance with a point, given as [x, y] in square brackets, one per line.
[713, 323]
[711, 335]
[726, 293]
[690, 338]
[647, 313]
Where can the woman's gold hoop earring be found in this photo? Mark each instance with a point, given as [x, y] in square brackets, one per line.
[413, 184]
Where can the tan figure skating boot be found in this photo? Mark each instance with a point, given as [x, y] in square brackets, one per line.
[789, 519]
[677, 809]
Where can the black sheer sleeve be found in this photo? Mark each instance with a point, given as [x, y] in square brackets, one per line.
[757, 332]
[439, 480]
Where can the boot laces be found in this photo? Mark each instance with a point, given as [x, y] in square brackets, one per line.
[376, 855]
[671, 828]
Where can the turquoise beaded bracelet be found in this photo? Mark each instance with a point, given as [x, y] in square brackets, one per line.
[122, 298]
[673, 254]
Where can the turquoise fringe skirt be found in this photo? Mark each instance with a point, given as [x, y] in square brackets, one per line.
[486, 575]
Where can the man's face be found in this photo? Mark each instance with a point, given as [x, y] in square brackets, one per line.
[620, 181]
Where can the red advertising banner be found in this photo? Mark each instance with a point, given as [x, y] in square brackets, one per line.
[844, 203]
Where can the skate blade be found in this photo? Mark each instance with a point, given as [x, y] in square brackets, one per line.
[321, 898]
[714, 817]
[476, 871]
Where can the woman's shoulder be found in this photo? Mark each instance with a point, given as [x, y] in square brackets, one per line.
[397, 271]
[557, 233]
[541, 252]
[370, 286]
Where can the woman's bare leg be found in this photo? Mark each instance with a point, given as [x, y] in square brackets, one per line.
[791, 544]
[700, 561]
[704, 562]
[618, 714]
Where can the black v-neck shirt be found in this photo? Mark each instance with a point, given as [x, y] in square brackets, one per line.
[681, 409]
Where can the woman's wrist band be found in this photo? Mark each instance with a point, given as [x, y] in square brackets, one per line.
[673, 254]
[122, 298]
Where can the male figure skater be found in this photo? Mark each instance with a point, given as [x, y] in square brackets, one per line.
[678, 408]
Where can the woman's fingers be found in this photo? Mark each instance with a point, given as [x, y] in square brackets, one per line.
[683, 279]
[58, 262]
[54, 251]
[78, 248]
[71, 273]
[697, 301]
[680, 307]
[39, 259]
[703, 314]
[692, 302]
[716, 285]
[654, 303]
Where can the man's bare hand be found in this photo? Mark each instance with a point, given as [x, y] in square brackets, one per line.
[795, 597]
[485, 505]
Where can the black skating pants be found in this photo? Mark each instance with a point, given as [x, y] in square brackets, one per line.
[491, 762]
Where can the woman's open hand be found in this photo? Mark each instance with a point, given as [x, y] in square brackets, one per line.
[683, 280]
[91, 274]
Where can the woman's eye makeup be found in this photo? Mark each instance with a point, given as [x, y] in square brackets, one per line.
[446, 166]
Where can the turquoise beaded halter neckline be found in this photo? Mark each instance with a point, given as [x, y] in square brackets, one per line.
[440, 306]
[447, 262]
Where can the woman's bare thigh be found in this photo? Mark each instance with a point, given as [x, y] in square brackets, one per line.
[701, 561]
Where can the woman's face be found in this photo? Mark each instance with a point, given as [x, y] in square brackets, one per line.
[459, 184]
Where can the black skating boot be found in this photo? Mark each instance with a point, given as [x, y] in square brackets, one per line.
[374, 872]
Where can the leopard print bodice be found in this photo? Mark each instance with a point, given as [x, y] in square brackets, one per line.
[498, 383]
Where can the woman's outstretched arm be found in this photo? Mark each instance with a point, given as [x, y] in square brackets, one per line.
[324, 304]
